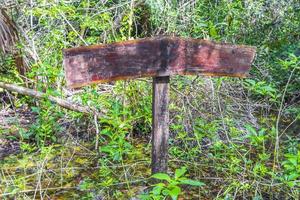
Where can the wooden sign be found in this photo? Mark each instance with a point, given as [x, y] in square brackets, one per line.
[162, 56]
[159, 58]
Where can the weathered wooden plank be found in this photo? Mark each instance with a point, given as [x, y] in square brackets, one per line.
[160, 124]
[161, 56]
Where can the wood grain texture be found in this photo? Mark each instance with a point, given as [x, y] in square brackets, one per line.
[160, 124]
[160, 56]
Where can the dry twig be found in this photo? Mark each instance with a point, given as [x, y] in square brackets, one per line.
[40, 95]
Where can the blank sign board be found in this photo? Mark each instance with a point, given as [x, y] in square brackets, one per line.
[160, 56]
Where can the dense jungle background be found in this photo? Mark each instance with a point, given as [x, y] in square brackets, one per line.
[230, 138]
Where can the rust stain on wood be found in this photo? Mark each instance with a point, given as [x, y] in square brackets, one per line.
[160, 56]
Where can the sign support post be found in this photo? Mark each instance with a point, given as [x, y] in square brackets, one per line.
[160, 124]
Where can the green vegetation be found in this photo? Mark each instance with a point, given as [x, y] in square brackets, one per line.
[229, 138]
[172, 188]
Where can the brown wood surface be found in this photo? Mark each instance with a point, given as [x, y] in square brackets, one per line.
[161, 56]
[160, 124]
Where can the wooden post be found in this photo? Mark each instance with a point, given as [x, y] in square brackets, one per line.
[159, 58]
[160, 124]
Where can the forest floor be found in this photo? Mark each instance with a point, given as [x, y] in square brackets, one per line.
[73, 169]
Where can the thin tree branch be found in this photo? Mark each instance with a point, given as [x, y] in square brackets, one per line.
[40, 95]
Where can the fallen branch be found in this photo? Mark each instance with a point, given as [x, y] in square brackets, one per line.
[40, 95]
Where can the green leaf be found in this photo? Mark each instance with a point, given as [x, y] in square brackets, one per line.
[212, 30]
[291, 183]
[157, 190]
[161, 176]
[191, 182]
[175, 192]
[166, 192]
[144, 197]
[293, 176]
[180, 172]
[35, 109]
[251, 130]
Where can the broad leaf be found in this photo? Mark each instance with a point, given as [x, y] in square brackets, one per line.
[191, 182]
[161, 176]
[157, 190]
[180, 172]
[293, 176]
[175, 192]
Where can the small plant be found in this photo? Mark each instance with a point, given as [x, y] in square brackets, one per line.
[171, 185]
[257, 138]
[291, 166]
[115, 127]
[45, 128]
